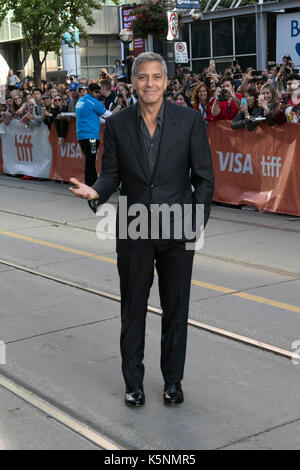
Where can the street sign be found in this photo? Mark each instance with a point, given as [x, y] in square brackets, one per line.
[187, 4]
[173, 27]
[181, 52]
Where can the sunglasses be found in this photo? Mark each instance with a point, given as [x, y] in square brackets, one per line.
[57, 100]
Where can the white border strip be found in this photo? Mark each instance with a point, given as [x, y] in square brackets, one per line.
[60, 416]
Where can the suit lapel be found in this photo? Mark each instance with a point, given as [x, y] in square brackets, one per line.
[133, 129]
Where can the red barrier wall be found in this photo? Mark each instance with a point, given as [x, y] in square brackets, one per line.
[260, 168]
[68, 161]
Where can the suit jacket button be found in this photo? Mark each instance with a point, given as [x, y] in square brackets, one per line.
[152, 186]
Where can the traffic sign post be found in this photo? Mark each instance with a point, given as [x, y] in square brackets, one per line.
[181, 52]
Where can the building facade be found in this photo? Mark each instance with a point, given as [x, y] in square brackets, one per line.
[247, 34]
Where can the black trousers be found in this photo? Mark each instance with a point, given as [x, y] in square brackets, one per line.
[90, 161]
[174, 264]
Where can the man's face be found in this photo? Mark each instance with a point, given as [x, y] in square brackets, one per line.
[47, 102]
[259, 86]
[227, 86]
[104, 91]
[95, 94]
[82, 92]
[293, 86]
[74, 93]
[150, 82]
[37, 96]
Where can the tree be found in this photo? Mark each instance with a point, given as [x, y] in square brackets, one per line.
[45, 22]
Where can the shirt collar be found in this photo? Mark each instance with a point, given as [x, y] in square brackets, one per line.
[160, 115]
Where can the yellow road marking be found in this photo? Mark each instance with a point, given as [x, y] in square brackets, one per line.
[65, 248]
[205, 285]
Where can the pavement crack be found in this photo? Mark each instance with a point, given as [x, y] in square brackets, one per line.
[62, 329]
[251, 436]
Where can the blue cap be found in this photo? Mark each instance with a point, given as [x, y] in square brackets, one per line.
[73, 86]
[18, 85]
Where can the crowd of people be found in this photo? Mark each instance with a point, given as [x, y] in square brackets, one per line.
[245, 98]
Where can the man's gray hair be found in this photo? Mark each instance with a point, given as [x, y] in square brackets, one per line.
[148, 57]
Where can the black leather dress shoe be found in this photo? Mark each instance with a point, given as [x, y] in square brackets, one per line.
[173, 394]
[135, 397]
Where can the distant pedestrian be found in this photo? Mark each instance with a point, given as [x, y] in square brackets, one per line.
[88, 112]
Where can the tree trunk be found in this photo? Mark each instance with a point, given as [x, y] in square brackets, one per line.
[37, 64]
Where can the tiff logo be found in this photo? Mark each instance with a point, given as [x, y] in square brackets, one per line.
[271, 166]
[24, 148]
[2, 353]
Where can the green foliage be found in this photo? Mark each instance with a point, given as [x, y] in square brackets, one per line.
[150, 19]
[44, 22]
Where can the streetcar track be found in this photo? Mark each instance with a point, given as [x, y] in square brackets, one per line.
[59, 413]
[217, 258]
[279, 228]
[199, 325]
[194, 282]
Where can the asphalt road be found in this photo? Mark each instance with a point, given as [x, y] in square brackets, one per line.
[63, 343]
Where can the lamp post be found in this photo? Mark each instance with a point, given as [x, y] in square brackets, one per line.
[126, 37]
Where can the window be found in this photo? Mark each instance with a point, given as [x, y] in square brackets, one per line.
[186, 34]
[245, 62]
[222, 38]
[199, 65]
[201, 39]
[245, 35]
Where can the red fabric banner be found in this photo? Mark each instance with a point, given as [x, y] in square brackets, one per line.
[68, 160]
[259, 168]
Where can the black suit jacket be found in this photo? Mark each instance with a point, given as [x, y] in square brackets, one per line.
[184, 160]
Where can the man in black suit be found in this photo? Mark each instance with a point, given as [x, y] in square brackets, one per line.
[158, 151]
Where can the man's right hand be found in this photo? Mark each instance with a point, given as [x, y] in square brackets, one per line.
[218, 92]
[83, 191]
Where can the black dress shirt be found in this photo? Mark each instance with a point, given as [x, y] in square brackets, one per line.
[151, 144]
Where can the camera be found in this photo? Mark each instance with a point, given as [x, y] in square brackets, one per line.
[223, 95]
[120, 95]
[284, 99]
[256, 73]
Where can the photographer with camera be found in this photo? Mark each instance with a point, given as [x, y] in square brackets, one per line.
[47, 110]
[124, 97]
[181, 100]
[288, 100]
[202, 101]
[249, 111]
[106, 92]
[227, 103]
